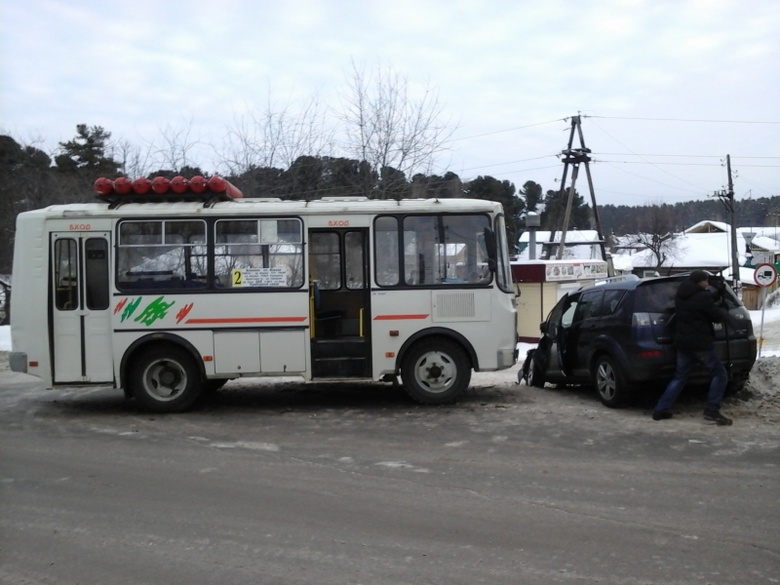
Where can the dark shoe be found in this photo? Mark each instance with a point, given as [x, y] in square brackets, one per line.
[717, 418]
[661, 415]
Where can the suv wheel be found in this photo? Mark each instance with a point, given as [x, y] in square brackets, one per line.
[735, 386]
[609, 382]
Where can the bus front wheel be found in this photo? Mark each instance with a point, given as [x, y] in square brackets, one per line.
[165, 379]
[435, 371]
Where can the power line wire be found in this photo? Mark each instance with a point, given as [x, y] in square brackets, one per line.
[705, 121]
[508, 130]
[510, 162]
[682, 164]
[718, 156]
[697, 187]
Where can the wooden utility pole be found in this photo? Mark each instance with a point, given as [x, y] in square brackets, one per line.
[727, 197]
[574, 157]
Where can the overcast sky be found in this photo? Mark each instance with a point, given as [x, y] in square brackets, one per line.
[666, 88]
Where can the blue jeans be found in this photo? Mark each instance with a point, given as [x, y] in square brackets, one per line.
[685, 363]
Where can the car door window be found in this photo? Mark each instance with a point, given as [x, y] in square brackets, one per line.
[561, 315]
[609, 303]
[568, 315]
[589, 305]
[569, 310]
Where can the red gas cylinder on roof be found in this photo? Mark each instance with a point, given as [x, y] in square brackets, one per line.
[123, 185]
[160, 185]
[103, 186]
[198, 184]
[219, 185]
[179, 185]
[141, 186]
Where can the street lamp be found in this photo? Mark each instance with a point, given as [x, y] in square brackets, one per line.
[532, 222]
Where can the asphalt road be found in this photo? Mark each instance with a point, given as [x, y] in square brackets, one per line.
[355, 484]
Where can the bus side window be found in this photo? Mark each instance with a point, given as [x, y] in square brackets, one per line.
[96, 268]
[66, 282]
[386, 247]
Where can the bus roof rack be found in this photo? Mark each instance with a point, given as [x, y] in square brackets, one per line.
[348, 198]
[163, 190]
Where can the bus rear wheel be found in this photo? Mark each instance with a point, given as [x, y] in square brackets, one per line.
[435, 371]
[165, 379]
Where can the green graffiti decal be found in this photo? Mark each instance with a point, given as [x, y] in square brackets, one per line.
[130, 309]
[157, 309]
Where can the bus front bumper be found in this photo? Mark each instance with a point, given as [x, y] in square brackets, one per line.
[17, 360]
[506, 358]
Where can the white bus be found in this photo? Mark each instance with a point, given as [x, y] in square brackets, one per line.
[168, 289]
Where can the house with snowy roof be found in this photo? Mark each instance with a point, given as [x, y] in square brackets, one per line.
[578, 244]
[705, 245]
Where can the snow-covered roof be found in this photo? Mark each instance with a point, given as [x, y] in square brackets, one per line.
[572, 236]
[687, 250]
[706, 245]
[707, 226]
[579, 245]
[765, 243]
[764, 237]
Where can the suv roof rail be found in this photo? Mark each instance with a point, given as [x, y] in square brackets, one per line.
[611, 279]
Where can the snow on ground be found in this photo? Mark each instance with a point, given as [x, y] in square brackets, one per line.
[761, 396]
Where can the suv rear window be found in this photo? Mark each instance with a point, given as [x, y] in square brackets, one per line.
[727, 294]
[656, 297]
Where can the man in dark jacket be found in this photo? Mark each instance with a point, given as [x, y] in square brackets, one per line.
[694, 338]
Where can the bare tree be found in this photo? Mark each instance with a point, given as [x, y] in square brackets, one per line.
[276, 137]
[656, 233]
[178, 145]
[386, 127]
[133, 160]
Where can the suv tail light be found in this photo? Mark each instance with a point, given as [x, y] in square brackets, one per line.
[641, 320]
[653, 326]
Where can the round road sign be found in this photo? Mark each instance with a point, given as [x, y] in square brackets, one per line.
[765, 275]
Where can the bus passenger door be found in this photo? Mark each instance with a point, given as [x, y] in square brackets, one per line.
[80, 308]
[340, 303]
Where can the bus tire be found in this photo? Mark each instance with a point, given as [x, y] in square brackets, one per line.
[165, 379]
[435, 371]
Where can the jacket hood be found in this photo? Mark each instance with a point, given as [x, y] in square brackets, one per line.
[688, 288]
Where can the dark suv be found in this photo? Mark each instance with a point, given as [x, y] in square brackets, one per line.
[617, 335]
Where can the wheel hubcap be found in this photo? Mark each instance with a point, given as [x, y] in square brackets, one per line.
[165, 380]
[436, 372]
[606, 381]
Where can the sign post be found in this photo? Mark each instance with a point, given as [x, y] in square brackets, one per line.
[765, 276]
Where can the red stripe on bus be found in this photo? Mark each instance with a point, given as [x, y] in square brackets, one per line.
[245, 320]
[398, 317]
